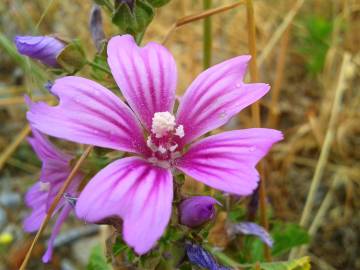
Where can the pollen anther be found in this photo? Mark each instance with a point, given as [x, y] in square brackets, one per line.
[162, 123]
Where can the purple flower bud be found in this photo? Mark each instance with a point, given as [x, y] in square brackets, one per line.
[197, 210]
[43, 48]
[96, 27]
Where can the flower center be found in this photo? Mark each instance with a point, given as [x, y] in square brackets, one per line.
[164, 139]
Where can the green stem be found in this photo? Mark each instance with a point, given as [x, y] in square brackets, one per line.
[95, 65]
[207, 36]
[225, 259]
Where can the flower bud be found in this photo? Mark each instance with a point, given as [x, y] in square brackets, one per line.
[197, 210]
[96, 27]
[43, 48]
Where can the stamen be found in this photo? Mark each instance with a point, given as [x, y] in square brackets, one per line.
[162, 123]
[150, 144]
[180, 131]
[162, 149]
[173, 147]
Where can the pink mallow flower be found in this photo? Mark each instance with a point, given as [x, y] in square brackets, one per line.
[139, 188]
[55, 169]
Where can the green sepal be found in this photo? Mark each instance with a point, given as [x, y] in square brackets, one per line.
[133, 22]
[72, 58]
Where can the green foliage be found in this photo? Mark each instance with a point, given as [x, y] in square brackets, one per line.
[237, 214]
[103, 2]
[72, 58]
[286, 236]
[158, 3]
[133, 22]
[298, 264]
[314, 42]
[28, 68]
[97, 260]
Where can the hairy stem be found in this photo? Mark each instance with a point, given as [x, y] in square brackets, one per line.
[95, 65]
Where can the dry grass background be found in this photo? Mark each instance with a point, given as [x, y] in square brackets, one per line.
[300, 108]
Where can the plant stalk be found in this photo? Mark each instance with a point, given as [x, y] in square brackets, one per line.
[326, 147]
[207, 39]
[255, 110]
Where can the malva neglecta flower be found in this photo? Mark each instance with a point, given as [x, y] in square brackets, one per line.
[42, 48]
[139, 188]
[55, 169]
[197, 210]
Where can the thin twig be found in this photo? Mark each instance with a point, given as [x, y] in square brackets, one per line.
[57, 199]
[20, 100]
[255, 111]
[280, 31]
[324, 207]
[279, 76]
[191, 18]
[330, 134]
[207, 38]
[29, 168]
[14, 145]
[44, 14]
[324, 154]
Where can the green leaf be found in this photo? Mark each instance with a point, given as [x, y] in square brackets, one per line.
[133, 22]
[103, 2]
[298, 264]
[10, 49]
[314, 42]
[97, 260]
[287, 236]
[72, 58]
[158, 3]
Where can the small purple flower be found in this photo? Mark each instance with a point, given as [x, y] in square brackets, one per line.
[197, 210]
[250, 228]
[42, 48]
[55, 169]
[139, 188]
[197, 255]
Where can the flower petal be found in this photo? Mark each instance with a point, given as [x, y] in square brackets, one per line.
[227, 161]
[55, 164]
[134, 190]
[45, 150]
[251, 228]
[90, 114]
[65, 211]
[36, 199]
[215, 96]
[146, 76]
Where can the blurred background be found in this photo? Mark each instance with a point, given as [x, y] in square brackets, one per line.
[300, 47]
